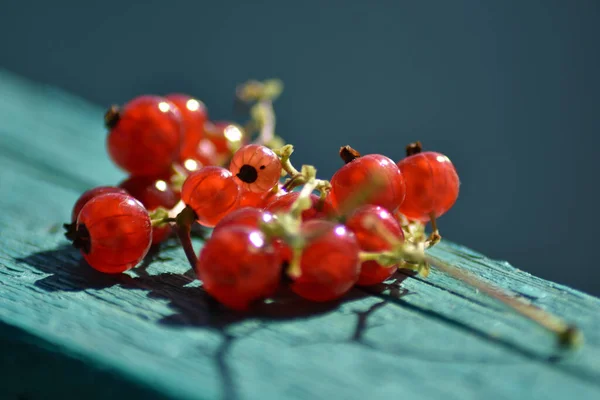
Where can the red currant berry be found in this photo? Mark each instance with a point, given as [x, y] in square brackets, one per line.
[211, 192]
[114, 232]
[327, 207]
[203, 155]
[90, 194]
[194, 116]
[225, 136]
[70, 228]
[251, 199]
[248, 217]
[251, 217]
[359, 172]
[152, 193]
[330, 263]
[257, 168]
[431, 185]
[372, 272]
[258, 200]
[145, 137]
[284, 202]
[237, 267]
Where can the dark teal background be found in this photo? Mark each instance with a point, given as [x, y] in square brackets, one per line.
[508, 89]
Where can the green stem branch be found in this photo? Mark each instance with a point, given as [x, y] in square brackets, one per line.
[567, 335]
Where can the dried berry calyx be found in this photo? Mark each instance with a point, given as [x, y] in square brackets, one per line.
[112, 116]
[413, 148]
[348, 154]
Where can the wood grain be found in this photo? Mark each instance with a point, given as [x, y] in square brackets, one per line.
[66, 330]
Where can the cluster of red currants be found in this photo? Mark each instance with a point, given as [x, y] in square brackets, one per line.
[323, 237]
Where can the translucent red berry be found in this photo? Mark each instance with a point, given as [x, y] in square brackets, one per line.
[257, 168]
[248, 217]
[90, 194]
[237, 267]
[432, 185]
[284, 202]
[145, 136]
[114, 232]
[211, 192]
[359, 173]
[194, 116]
[258, 200]
[225, 136]
[152, 193]
[328, 208]
[330, 262]
[251, 217]
[203, 155]
[369, 239]
[251, 199]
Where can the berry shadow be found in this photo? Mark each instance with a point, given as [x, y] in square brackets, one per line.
[192, 306]
[68, 271]
[286, 305]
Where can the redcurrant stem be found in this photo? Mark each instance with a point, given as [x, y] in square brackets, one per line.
[435, 237]
[267, 129]
[284, 154]
[294, 270]
[303, 202]
[322, 198]
[183, 233]
[433, 222]
[183, 227]
[292, 182]
[568, 335]
[387, 258]
[162, 221]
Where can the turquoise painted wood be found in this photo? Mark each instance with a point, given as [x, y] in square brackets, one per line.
[68, 331]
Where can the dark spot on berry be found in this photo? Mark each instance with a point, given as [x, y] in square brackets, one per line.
[248, 174]
[262, 167]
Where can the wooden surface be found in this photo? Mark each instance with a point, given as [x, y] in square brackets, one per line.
[67, 330]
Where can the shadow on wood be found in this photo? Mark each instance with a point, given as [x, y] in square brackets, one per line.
[192, 305]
